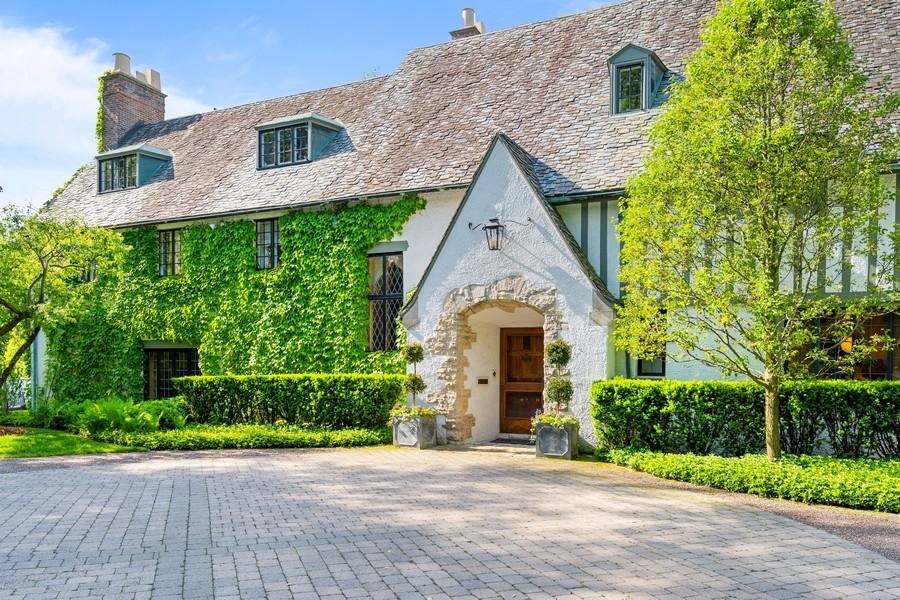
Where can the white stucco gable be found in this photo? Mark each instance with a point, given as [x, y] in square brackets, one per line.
[469, 293]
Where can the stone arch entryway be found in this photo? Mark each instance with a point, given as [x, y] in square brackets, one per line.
[466, 342]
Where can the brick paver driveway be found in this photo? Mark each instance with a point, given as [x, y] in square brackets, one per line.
[384, 523]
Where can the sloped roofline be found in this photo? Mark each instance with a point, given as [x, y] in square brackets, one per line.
[520, 159]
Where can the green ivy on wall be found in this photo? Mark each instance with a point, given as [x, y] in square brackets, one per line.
[308, 315]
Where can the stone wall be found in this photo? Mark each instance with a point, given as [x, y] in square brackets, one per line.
[453, 336]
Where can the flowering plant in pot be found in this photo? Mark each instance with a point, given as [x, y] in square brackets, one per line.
[556, 431]
[414, 425]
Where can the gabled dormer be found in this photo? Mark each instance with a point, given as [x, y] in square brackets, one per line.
[294, 140]
[129, 167]
[635, 74]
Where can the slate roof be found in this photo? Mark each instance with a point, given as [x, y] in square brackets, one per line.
[429, 124]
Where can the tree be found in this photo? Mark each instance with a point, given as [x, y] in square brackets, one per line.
[762, 182]
[44, 256]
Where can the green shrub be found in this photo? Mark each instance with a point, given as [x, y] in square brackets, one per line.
[851, 418]
[860, 483]
[331, 401]
[217, 437]
[17, 418]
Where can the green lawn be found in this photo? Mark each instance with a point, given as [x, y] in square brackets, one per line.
[48, 442]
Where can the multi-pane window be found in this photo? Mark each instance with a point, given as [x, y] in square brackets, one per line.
[284, 146]
[161, 366]
[268, 244]
[88, 274]
[629, 88]
[385, 299]
[170, 252]
[118, 173]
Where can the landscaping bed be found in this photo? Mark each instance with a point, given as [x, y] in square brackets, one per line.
[853, 483]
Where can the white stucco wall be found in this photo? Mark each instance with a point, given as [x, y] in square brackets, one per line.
[534, 261]
[423, 233]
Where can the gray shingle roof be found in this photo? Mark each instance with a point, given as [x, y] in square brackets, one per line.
[428, 125]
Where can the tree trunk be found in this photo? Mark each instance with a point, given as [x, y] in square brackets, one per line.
[773, 430]
[7, 371]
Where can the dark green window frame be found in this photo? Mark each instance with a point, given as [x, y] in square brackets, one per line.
[268, 244]
[629, 87]
[118, 173]
[284, 146]
[170, 252]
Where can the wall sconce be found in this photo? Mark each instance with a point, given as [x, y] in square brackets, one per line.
[493, 231]
[847, 345]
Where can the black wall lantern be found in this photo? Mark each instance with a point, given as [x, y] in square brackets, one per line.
[493, 232]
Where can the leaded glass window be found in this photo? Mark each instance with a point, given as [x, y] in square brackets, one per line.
[118, 173]
[629, 88]
[284, 146]
[268, 244]
[170, 252]
[385, 299]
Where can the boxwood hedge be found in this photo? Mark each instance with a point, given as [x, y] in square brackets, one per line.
[845, 419]
[323, 400]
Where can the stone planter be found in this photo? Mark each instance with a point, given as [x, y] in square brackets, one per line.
[553, 442]
[415, 432]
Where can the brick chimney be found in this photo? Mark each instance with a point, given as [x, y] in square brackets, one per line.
[129, 100]
[470, 27]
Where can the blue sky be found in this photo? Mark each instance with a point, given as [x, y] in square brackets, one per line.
[209, 55]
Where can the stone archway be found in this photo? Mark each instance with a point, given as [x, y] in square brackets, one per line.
[453, 335]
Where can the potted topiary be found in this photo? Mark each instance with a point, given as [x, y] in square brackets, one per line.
[555, 431]
[414, 426]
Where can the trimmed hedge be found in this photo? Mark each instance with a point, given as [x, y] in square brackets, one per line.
[845, 419]
[332, 401]
[217, 437]
[863, 484]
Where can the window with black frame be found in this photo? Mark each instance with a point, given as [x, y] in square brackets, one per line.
[655, 367]
[268, 244]
[118, 173]
[161, 366]
[170, 252]
[385, 299]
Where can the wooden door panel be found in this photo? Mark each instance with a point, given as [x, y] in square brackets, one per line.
[521, 377]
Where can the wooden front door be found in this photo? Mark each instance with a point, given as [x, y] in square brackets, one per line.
[521, 377]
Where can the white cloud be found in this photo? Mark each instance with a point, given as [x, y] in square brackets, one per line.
[48, 103]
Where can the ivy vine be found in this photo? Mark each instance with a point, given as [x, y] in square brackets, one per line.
[308, 315]
[100, 128]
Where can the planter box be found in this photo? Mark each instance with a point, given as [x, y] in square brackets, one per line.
[416, 432]
[552, 442]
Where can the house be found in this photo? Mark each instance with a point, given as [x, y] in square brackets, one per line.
[518, 141]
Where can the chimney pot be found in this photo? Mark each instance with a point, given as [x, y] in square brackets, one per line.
[468, 15]
[122, 63]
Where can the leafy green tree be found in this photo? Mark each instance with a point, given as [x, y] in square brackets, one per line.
[763, 180]
[43, 257]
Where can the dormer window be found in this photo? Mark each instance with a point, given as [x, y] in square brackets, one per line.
[629, 87]
[129, 167]
[635, 74]
[295, 140]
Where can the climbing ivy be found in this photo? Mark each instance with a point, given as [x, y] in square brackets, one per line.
[100, 127]
[308, 315]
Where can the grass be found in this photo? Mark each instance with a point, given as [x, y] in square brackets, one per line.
[49, 442]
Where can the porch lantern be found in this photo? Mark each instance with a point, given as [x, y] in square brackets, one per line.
[493, 231]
